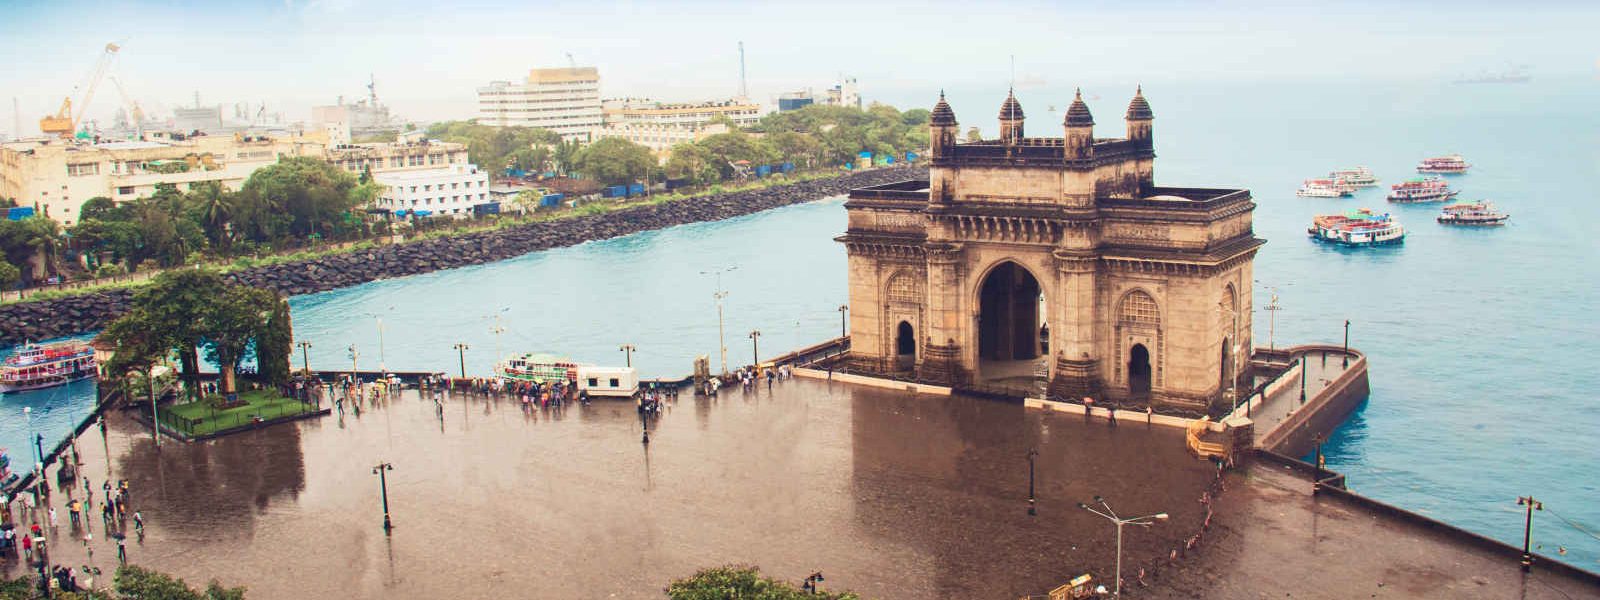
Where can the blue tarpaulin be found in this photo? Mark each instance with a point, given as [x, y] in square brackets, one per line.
[19, 213]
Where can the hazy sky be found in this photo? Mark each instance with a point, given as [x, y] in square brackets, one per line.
[428, 57]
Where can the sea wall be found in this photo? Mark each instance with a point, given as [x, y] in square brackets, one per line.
[1325, 411]
[90, 312]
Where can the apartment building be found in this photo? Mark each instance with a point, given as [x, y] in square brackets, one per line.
[453, 190]
[566, 101]
[57, 176]
[660, 125]
[414, 154]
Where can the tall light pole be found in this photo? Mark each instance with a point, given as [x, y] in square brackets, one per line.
[1272, 328]
[355, 360]
[1527, 529]
[844, 329]
[383, 484]
[305, 356]
[755, 347]
[1347, 343]
[719, 294]
[1110, 515]
[461, 353]
[628, 349]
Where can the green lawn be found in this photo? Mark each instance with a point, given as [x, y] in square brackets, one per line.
[202, 418]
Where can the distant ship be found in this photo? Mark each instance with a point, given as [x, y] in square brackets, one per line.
[36, 367]
[1422, 189]
[1357, 177]
[1516, 75]
[1451, 164]
[1357, 228]
[1474, 214]
[1324, 188]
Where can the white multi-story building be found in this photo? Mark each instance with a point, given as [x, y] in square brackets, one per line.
[57, 176]
[660, 125]
[386, 157]
[453, 190]
[566, 101]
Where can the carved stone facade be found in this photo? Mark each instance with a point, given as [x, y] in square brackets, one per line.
[1059, 253]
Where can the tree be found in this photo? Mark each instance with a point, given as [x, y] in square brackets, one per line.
[275, 343]
[44, 235]
[235, 319]
[213, 207]
[136, 583]
[693, 162]
[974, 134]
[178, 303]
[9, 275]
[312, 195]
[98, 207]
[735, 582]
[140, 346]
[614, 161]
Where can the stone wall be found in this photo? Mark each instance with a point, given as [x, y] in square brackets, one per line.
[91, 312]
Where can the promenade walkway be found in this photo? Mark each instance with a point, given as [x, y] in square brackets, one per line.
[1274, 539]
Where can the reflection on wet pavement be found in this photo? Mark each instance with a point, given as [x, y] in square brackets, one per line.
[888, 494]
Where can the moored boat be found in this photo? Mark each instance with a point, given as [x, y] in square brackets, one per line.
[1359, 227]
[1451, 164]
[1473, 214]
[1359, 177]
[38, 366]
[1422, 189]
[585, 378]
[1324, 188]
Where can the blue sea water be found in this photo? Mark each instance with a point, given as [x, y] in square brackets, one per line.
[1479, 339]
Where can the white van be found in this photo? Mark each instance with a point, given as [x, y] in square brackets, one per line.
[621, 382]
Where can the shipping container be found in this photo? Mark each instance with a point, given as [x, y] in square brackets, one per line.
[636, 189]
[487, 208]
[787, 167]
[911, 156]
[763, 170]
[19, 213]
[551, 200]
[615, 191]
[864, 154]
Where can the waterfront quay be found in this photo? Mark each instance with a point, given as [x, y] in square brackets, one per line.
[889, 494]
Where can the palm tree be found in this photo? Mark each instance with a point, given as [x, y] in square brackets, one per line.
[216, 211]
[44, 235]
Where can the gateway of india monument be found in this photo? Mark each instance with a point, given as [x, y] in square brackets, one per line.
[1053, 265]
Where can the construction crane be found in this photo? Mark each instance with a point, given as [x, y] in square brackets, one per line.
[135, 112]
[65, 121]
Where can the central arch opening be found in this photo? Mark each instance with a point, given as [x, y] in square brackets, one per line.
[1010, 327]
[1139, 371]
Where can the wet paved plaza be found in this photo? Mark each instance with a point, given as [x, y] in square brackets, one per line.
[888, 494]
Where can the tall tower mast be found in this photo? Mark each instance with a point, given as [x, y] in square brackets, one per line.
[744, 92]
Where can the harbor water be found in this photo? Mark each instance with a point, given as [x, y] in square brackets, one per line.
[1478, 338]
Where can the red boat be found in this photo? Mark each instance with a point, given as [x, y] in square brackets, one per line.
[35, 366]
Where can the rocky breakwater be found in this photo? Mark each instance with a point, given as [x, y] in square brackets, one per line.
[92, 311]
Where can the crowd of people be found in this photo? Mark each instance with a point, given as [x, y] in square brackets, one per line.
[29, 532]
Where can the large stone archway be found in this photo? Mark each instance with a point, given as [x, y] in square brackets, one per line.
[1010, 317]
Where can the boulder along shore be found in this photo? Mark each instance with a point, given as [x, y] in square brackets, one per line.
[83, 313]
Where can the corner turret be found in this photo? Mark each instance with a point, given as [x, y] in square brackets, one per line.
[1079, 126]
[1011, 119]
[942, 128]
[1139, 120]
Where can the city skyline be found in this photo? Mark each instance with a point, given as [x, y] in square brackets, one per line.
[294, 55]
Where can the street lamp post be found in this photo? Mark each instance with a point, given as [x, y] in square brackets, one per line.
[719, 294]
[1272, 328]
[628, 349]
[1527, 529]
[355, 361]
[461, 353]
[1303, 375]
[383, 484]
[305, 357]
[1110, 515]
[1032, 452]
[1347, 343]
[844, 329]
[755, 348]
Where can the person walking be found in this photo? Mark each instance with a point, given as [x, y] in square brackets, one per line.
[53, 517]
[122, 552]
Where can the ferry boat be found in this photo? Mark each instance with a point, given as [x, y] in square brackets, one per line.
[1324, 188]
[40, 366]
[1424, 189]
[1357, 228]
[1358, 177]
[590, 379]
[1476, 214]
[1451, 164]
